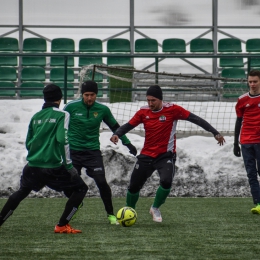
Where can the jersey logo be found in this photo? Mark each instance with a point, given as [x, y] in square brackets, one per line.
[147, 117]
[95, 114]
[162, 118]
[249, 105]
[78, 114]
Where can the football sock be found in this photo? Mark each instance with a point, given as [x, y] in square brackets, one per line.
[160, 197]
[131, 199]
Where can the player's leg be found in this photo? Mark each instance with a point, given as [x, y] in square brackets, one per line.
[60, 180]
[143, 169]
[249, 156]
[250, 153]
[27, 184]
[165, 166]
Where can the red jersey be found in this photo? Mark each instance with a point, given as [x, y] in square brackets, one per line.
[160, 127]
[248, 107]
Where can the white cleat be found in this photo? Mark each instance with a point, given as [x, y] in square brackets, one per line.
[155, 212]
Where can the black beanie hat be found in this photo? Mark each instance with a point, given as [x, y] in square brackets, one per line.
[52, 93]
[155, 91]
[89, 86]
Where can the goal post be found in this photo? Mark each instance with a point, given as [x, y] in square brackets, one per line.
[123, 89]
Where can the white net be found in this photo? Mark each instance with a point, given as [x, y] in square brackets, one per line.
[212, 98]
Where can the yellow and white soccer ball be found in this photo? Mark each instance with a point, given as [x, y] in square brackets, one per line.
[126, 216]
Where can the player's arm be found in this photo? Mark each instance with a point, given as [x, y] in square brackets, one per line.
[236, 149]
[114, 126]
[206, 126]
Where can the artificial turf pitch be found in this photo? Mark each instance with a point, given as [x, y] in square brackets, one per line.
[192, 228]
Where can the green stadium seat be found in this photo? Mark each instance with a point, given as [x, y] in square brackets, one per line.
[8, 60]
[7, 92]
[90, 45]
[57, 74]
[234, 90]
[8, 44]
[146, 45]
[35, 45]
[236, 73]
[201, 45]
[33, 74]
[70, 92]
[173, 45]
[62, 45]
[8, 74]
[230, 46]
[33, 92]
[118, 45]
[253, 46]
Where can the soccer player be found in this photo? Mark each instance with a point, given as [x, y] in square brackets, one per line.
[86, 115]
[247, 133]
[49, 163]
[159, 151]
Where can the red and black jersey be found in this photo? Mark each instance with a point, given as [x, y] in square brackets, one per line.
[248, 107]
[160, 127]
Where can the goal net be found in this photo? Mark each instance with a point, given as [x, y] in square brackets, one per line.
[123, 90]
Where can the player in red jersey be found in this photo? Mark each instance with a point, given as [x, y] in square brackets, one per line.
[159, 151]
[247, 132]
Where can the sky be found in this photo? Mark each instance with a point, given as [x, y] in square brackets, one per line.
[203, 167]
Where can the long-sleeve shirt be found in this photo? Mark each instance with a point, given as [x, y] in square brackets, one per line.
[47, 140]
[85, 124]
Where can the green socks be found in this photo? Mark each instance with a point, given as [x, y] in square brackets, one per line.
[160, 197]
[131, 199]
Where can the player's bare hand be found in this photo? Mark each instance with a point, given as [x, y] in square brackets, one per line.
[221, 140]
[114, 139]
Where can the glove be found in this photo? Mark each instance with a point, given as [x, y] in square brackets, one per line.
[73, 173]
[236, 150]
[131, 148]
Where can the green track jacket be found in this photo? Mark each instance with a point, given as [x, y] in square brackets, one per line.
[47, 140]
[85, 124]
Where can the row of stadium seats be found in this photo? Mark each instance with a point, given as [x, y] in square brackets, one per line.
[120, 45]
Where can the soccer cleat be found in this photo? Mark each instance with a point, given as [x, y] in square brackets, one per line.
[79, 207]
[256, 209]
[67, 229]
[155, 212]
[112, 220]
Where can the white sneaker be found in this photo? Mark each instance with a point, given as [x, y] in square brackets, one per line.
[155, 212]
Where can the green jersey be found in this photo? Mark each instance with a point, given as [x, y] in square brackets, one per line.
[85, 124]
[47, 139]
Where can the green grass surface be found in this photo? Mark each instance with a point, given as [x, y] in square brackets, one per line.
[192, 228]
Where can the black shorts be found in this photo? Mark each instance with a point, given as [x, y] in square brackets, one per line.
[91, 160]
[58, 179]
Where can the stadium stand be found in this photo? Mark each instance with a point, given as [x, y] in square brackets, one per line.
[8, 74]
[34, 92]
[57, 75]
[33, 74]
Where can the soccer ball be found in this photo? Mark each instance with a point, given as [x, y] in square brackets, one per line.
[126, 216]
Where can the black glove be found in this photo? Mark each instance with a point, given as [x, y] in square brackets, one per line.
[132, 149]
[236, 150]
[73, 173]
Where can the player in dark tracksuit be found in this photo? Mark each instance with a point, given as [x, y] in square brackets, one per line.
[49, 163]
[86, 115]
[159, 151]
